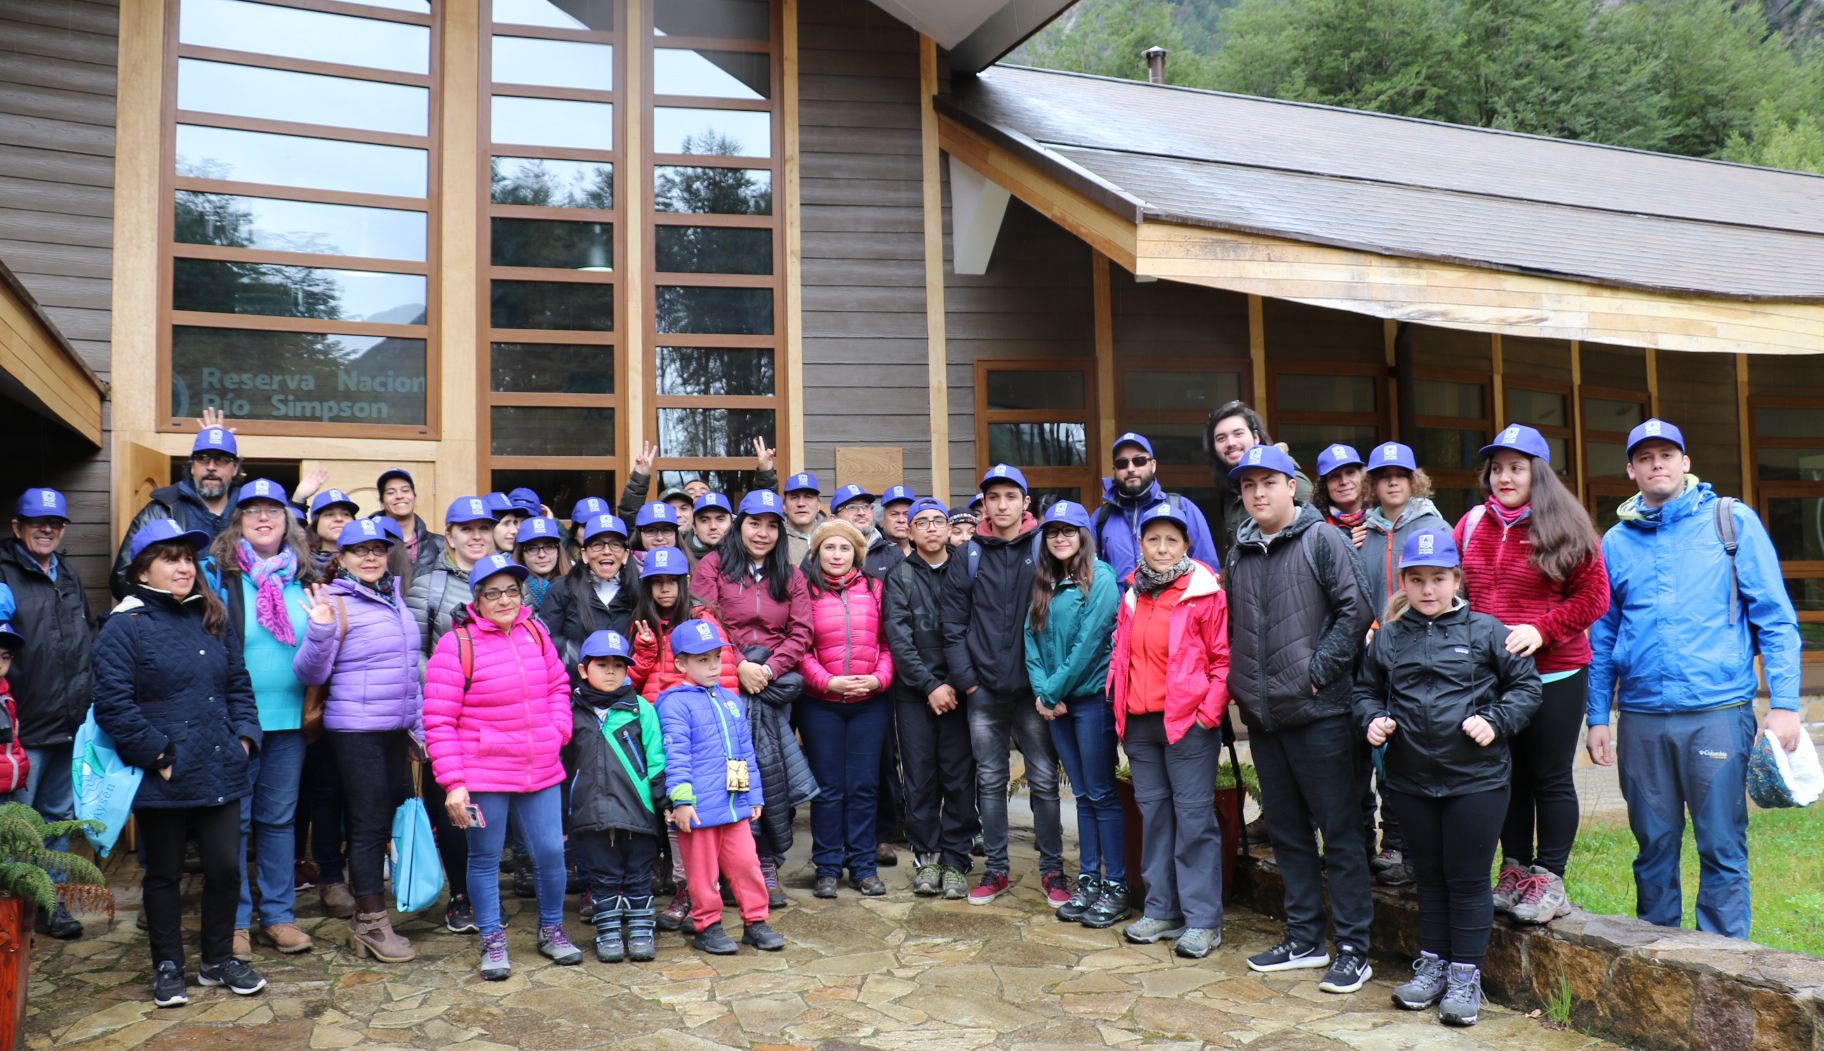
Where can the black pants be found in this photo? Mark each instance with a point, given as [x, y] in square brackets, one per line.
[619, 862]
[452, 842]
[321, 818]
[1450, 846]
[1544, 792]
[375, 780]
[939, 766]
[165, 832]
[1309, 781]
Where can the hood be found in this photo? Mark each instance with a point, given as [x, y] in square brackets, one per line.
[1415, 508]
[985, 532]
[1308, 516]
[1634, 512]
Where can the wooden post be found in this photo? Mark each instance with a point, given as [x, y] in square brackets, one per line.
[1257, 350]
[1390, 337]
[460, 345]
[1101, 281]
[1745, 428]
[793, 453]
[1652, 382]
[1577, 457]
[1499, 394]
[937, 353]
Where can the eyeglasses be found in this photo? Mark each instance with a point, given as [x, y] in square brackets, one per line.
[1122, 462]
[596, 547]
[931, 523]
[497, 594]
[266, 512]
[366, 553]
[213, 459]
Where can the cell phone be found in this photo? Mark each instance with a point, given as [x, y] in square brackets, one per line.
[475, 818]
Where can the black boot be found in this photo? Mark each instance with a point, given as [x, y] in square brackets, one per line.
[525, 882]
[642, 943]
[609, 946]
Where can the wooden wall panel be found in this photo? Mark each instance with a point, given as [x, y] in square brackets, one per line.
[1697, 392]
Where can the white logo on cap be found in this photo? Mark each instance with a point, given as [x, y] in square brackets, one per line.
[1512, 434]
[1388, 452]
[1425, 542]
[766, 497]
[1337, 450]
[1254, 454]
[49, 497]
[1651, 426]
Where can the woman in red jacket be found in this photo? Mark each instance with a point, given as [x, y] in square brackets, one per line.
[1168, 683]
[1532, 560]
[845, 714]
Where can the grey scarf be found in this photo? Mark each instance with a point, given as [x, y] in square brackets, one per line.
[1151, 581]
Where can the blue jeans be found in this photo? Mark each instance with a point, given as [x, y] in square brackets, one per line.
[266, 820]
[994, 720]
[541, 815]
[843, 743]
[49, 788]
[1696, 761]
[1085, 739]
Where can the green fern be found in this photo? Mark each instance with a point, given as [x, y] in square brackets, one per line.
[30, 870]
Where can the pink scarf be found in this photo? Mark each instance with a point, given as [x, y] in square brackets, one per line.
[269, 576]
[1506, 516]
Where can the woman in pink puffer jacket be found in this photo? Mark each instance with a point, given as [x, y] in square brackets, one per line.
[496, 715]
[844, 715]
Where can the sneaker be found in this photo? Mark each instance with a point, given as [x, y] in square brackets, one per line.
[991, 886]
[585, 906]
[1197, 942]
[495, 967]
[1289, 955]
[1507, 887]
[926, 878]
[525, 878]
[1462, 1003]
[1541, 897]
[1427, 985]
[243, 944]
[459, 916]
[554, 945]
[303, 875]
[762, 937]
[714, 941]
[825, 887]
[1088, 892]
[979, 847]
[677, 914]
[775, 894]
[1385, 860]
[955, 884]
[1349, 973]
[168, 985]
[240, 979]
[1110, 907]
[870, 886]
[1395, 876]
[1056, 886]
[1146, 930]
[58, 923]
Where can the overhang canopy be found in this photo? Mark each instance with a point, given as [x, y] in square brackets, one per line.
[975, 32]
[1407, 219]
[38, 367]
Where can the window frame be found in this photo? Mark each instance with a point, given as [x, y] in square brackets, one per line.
[1087, 478]
[1766, 492]
[1381, 419]
[1175, 476]
[1456, 477]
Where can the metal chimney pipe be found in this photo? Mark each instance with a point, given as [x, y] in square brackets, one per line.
[1155, 64]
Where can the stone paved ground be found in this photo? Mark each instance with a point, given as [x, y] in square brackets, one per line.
[892, 974]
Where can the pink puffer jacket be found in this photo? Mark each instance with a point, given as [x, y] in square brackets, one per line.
[501, 733]
[848, 637]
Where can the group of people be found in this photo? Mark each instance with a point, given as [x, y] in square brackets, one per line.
[640, 707]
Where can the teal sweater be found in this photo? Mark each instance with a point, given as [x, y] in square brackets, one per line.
[276, 688]
[1070, 657]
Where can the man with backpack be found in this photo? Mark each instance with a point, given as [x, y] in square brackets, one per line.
[1128, 496]
[1696, 591]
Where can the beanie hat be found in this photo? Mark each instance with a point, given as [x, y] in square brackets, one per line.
[838, 527]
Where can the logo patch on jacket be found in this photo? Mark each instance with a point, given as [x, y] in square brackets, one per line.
[1461, 649]
[1711, 753]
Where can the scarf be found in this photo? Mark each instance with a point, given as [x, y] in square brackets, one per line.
[1506, 516]
[842, 583]
[1348, 519]
[1151, 581]
[269, 576]
[382, 587]
[601, 701]
[536, 588]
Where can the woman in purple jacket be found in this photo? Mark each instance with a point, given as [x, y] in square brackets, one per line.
[363, 642]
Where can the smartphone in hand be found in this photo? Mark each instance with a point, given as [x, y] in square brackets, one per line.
[475, 818]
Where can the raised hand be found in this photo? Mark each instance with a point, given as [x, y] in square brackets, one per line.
[643, 634]
[214, 418]
[643, 462]
[763, 457]
[310, 486]
[316, 603]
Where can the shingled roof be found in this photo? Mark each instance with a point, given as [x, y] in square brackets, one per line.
[1410, 188]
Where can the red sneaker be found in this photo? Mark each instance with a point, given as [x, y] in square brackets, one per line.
[990, 888]
[1057, 888]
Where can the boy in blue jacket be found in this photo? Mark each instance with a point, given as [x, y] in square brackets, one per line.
[713, 780]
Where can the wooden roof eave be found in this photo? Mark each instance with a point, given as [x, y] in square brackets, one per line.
[41, 365]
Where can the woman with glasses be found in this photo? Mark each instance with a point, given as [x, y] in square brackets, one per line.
[496, 718]
[539, 546]
[597, 594]
[362, 641]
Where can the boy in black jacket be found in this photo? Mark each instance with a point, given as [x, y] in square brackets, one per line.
[617, 789]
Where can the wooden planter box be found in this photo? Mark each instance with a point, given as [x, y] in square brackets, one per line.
[1228, 820]
[15, 969]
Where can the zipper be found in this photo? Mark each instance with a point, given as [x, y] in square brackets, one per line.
[525, 701]
[848, 635]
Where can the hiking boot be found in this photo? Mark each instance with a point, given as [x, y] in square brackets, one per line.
[525, 878]
[1110, 906]
[372, 934]
[825, 887]
[1056, 886]
[1427, 985]
[642, 943]
[240, 979]
[775, 894]
[714, 941]
[991, 886]
[678, 912]
[762, 937]
[1147, 930]
[1349, 973]
[555, 945]
[168, 985]
[955, 884]
[979, 846]
[926, 879]
[1088, 892]
[58, 923]
[1507, 887]
[1540, 897]
[1197, 942]
[870, 886]
[610, 938]
[1462, 1003]
[495, 967]
[585, 907]
[285, 937]
[885, 855]
[243, 944]
[1289, 955]
[337, 901]
[1390, 868]
[459, 916]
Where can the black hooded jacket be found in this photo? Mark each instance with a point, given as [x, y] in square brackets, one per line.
[987, 593]
[611, 787]
[914, 620]
[51, 678]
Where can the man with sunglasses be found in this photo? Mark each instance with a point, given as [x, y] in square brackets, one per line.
[1128, 496]
[202, 500]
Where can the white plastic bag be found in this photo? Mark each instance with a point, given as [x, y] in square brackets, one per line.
[1778, 778]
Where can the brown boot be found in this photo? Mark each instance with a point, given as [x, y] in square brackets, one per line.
[243, 945]
[372, 934]
[285, 937]
[337, 901]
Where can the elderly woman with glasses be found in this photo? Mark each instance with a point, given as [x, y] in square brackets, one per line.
[496, 717]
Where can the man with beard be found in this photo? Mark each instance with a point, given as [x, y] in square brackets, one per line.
[1232, 430]
[201, 501]
[1128, 496]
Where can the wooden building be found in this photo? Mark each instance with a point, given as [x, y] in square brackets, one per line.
[505, 242]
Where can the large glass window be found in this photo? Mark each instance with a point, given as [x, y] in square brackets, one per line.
[1036, 415]
[1788, 444]
[1317, 405]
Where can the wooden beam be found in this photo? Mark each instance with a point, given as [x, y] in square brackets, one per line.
[1390, 337]
[794, 243]
[631, 187]
[1652, 382]
[1744, 428]
[1576, 454]
[1257, 350]
[1500, 395]
[460, 345]
[937, 352]
[1101, 282]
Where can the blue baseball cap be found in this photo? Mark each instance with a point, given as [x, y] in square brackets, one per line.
[525, 500]
[1164, 510]
[588, 507]
[1269, 457]
[9, 638]
[1392, 454]
[1132, 438]
[1001, 472]
[712, 500]
[539, 529]
[258, 489]
[803, 480]
[47, 503]
[761, 502]
[656, 513]
[928, 503]
[897, 493]
[1337, 456]
[666, 561]
[391, 527]
[363, 530]
[395, 472]
[494, 565]
[1430, 547]
[605, 644]
[329, 498]
[467, 509]
[215, 440]
[600, 524]
[848, 494]
[1521, 439]
[1655, 430]
[1067, 512]
[164, 529]
[498, 503]
[696, 636]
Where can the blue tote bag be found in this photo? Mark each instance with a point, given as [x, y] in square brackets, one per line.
[417, 868]
[105, 784]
